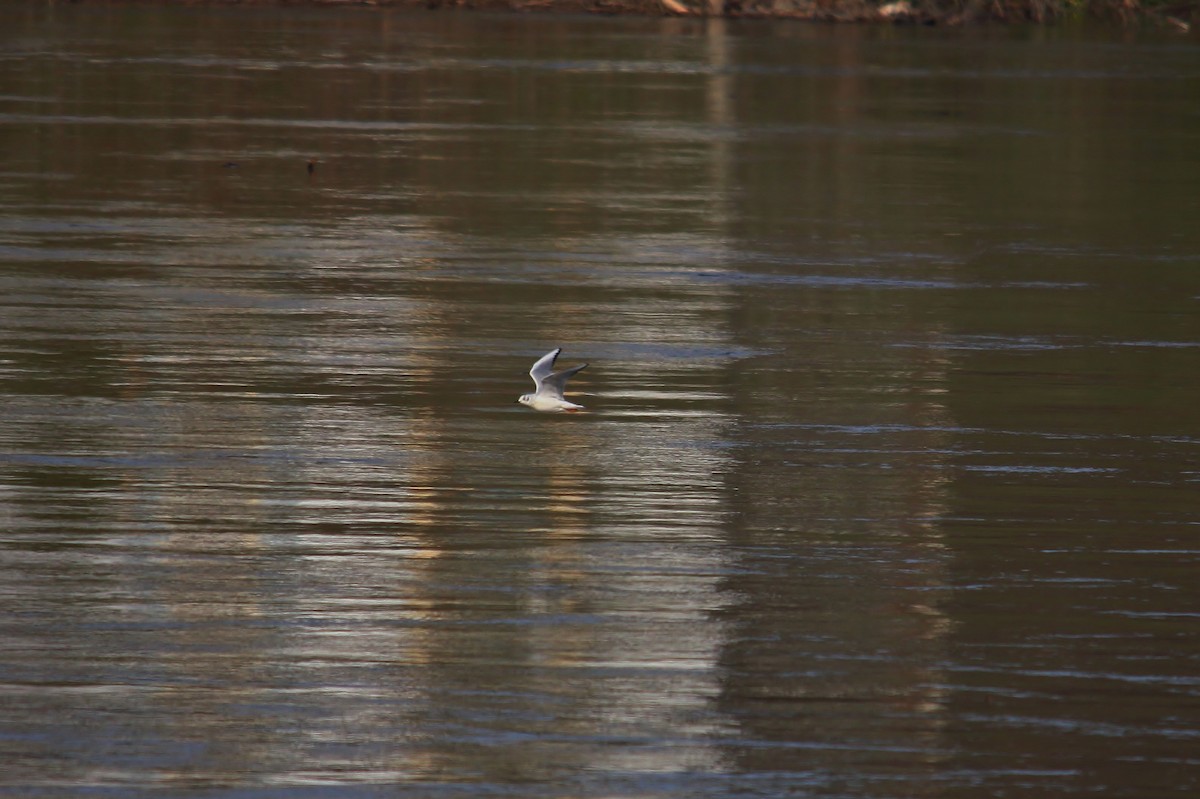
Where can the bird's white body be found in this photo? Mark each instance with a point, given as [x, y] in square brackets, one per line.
[548, 396]
[551, 405]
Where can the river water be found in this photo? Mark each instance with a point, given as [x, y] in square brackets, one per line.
[888, 480]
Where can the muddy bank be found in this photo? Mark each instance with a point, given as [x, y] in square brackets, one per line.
[1176, 15]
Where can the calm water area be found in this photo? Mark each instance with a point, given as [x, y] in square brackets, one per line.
[889, 479]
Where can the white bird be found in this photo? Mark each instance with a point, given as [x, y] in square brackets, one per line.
[549, 394]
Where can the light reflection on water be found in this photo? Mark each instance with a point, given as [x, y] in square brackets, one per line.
[885, 487]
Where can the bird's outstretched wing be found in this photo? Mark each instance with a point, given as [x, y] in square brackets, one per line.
[557, 382]
[543, 367]
[550, 383]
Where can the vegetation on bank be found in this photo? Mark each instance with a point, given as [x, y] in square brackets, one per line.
[1176, 14]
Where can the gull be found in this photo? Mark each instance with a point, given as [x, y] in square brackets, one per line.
[549, 394]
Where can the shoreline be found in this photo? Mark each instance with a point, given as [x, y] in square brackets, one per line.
[1177, 15]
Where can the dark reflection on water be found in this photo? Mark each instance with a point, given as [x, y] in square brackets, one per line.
[888, 482]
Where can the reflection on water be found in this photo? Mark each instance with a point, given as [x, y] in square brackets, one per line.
[887, 484]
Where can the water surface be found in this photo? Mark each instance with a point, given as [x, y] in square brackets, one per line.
[888, 481]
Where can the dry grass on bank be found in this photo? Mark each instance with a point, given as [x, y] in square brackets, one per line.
[1178, 15]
